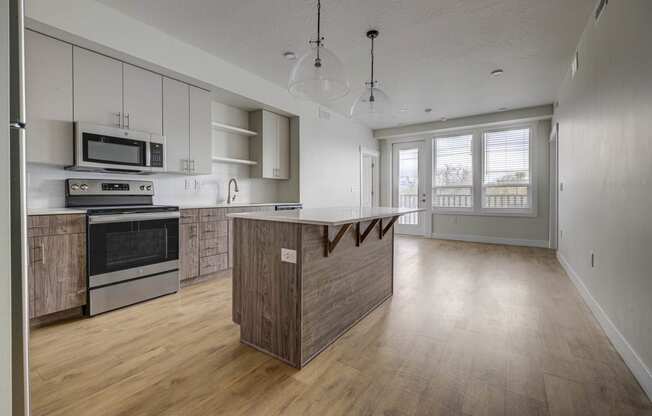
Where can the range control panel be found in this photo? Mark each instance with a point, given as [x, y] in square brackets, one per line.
[108, 187]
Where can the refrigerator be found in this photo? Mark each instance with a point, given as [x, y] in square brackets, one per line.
[18, 214]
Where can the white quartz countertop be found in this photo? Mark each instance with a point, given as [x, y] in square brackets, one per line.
[63, 211]
[236, 205]
[55, 211]
[327, 216]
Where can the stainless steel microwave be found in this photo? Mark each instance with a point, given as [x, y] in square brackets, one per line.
[109, 149]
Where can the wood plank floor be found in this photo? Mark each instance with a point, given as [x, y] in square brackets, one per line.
[472, 329]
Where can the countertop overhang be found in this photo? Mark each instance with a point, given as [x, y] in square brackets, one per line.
[328, 216]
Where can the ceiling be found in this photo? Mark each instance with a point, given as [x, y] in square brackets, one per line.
[430, 54]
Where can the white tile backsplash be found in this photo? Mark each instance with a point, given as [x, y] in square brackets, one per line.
[46, 186]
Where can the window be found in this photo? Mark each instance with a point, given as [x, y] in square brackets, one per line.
[452, 175]
[506, 174]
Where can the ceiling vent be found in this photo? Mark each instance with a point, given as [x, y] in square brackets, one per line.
[598, 10]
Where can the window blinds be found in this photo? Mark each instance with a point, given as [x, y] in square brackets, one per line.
[506, 176]
[453, 172]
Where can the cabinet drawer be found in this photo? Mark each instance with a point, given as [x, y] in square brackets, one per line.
[211, 230]
[41, 225]
[213, 246]
[213, 264]
[212, 214]
[189, 216]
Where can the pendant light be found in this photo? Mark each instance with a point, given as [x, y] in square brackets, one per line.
[319, 74]
[373, 103]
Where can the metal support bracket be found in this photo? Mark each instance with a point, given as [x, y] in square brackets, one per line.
[386, 228]
[366, 232]
[330, 245]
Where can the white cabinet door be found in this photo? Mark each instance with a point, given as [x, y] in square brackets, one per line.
[143, 100]
[270, 145]
[176, 125]
[48, 86]
[201, 140]
[283, 148]
[97, 88]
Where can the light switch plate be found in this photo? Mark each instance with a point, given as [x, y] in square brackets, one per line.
[288, 256]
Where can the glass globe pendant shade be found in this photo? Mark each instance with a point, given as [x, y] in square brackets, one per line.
[320, 80]
[371, 105]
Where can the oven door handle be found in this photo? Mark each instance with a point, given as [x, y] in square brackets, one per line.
[141, 216]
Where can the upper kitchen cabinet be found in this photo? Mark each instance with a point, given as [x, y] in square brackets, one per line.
[176, 125]
[270, 148]
[143, 100]
[201, 140]
[48, 87]
[187, 128]
[98, 88]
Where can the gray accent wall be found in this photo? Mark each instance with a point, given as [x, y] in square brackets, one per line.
[605, 150]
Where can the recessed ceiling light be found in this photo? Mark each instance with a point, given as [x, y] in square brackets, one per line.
[443, 119]
[289, 55]
[403, 109]
[428, 110]
[496, 72]
[503, 109]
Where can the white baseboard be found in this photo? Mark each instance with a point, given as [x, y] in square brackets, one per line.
[491, 240]
[629, 355]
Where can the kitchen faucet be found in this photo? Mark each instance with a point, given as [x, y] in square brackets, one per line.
[235, 190]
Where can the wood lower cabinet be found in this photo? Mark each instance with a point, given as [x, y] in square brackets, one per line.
[57, 263]
[188, 251]
[203, 242]
[206, 241]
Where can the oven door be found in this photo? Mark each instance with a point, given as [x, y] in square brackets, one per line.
[129, 246]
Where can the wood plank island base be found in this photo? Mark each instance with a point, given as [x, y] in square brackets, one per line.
[302, 278]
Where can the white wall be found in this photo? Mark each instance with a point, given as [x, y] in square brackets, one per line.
[5, 254]
[105, 26]
[605, 147]
[529, 231]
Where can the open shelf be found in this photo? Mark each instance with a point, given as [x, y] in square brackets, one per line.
[231, 160]
[232, 129]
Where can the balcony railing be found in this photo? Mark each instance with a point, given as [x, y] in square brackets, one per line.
[409, 201]
[507, 201]
[453, 201]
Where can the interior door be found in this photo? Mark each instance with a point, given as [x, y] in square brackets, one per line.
[409, 185]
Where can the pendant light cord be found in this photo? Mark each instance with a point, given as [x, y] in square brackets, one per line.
[319, 38]
[371, 97]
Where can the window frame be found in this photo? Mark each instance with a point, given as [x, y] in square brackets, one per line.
[478, 165]
[433, 141]
[532, 188]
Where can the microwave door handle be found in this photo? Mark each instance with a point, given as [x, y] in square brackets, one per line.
[148, 154]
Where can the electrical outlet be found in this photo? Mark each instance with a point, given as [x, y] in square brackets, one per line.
[561, 186]
[288, 256]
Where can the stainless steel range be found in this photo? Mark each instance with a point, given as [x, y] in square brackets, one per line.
[132, 245]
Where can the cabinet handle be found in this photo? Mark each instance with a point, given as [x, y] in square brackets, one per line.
[127, 122]
[118, 119]
[43, 254]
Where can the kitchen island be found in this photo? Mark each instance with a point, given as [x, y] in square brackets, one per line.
[302, 278]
